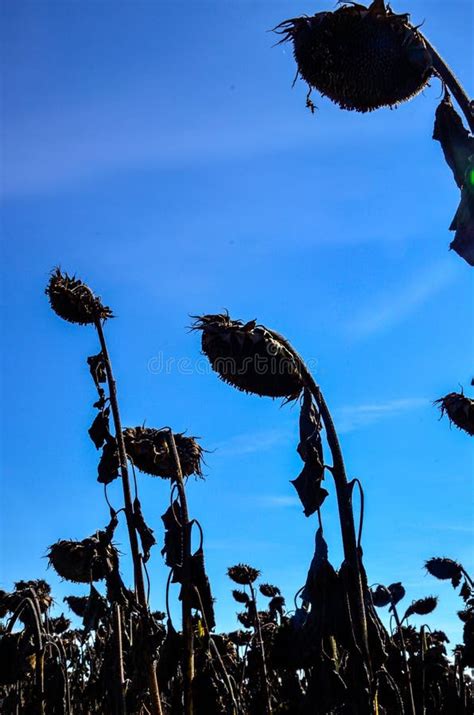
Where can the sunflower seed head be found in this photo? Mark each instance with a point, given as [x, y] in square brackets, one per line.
[362, 58]
[380, 596]
[81, 561]
[74, 301]
[243, 574]
[460, 410]
[240, 596]
[422, 606]
[248, 357]
[149, 451]
[266, 589]
[445, 569]
[77, 604]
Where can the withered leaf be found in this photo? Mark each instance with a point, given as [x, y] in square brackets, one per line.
[308, 483]
[99, 430]
[109, 464]
[200, 581]
[173, 547]
[147, 537]
[97, 368]
[456, 142]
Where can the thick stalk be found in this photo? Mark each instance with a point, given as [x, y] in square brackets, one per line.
[261, 650]
[127, 496]
[188, 632]
[446, 74]
[344, 500]
[121, 708]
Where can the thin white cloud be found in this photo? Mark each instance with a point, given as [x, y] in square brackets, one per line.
[352, 417]
[394, 307]
[250, 442]
[277, 501]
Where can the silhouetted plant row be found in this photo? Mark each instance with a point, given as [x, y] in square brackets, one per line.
[330, 653]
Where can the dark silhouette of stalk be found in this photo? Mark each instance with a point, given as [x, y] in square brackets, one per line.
[136, 557]
[31, 603]
[261, 650]
[447, 76]
[188, 633]
[393, 608]
[120, 701]
[344, 500]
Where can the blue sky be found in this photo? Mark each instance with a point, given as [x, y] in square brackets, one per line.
[158, 150]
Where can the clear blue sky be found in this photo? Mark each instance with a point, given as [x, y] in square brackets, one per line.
[158, 150]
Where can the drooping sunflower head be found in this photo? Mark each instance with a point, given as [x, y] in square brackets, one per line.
[362, 58]
[74, 301]
[422, 607]
[249, 356]
[82, 561]
[149, 451]
[460, 410]
[243, 574]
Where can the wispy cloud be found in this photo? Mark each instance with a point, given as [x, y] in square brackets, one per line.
[278, 501]
[250, 442]
[394, 307]
[352, 417]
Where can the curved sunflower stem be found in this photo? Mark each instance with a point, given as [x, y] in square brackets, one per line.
[261, 650]
[188, 632]
[344, 501]
[127, 496]
[447, 76]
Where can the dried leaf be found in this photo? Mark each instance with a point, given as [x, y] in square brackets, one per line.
[147, 537]
[99, 430]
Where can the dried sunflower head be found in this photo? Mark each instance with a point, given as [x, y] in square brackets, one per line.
[362, 58]
[42, 591]
[82, 561]
[77, 604]
[422, 606]
[249, 357]
[149, 451]
[460, 410]
[445, 569]
[243, 574]
[266, 589]
[380, 596]
[74, 301]
[240, 596]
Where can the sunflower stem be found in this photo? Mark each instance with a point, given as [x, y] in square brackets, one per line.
[261, 650]
[188, 632]
[393, 608]
[127, 495]
[344, 500]
[447, 76]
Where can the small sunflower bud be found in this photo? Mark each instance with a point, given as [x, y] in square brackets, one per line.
[460, 410]
[362, 58]
[74, 301]
[243, 574]
[248, 357]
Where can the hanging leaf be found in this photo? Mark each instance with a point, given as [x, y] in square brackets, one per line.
[97, 368]
[109, 464]
[96, 608]
[173, 547]
[308, 483]
[99, 429]
[200, 581]
[456, 142]
[147, 537]
[458, 148]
